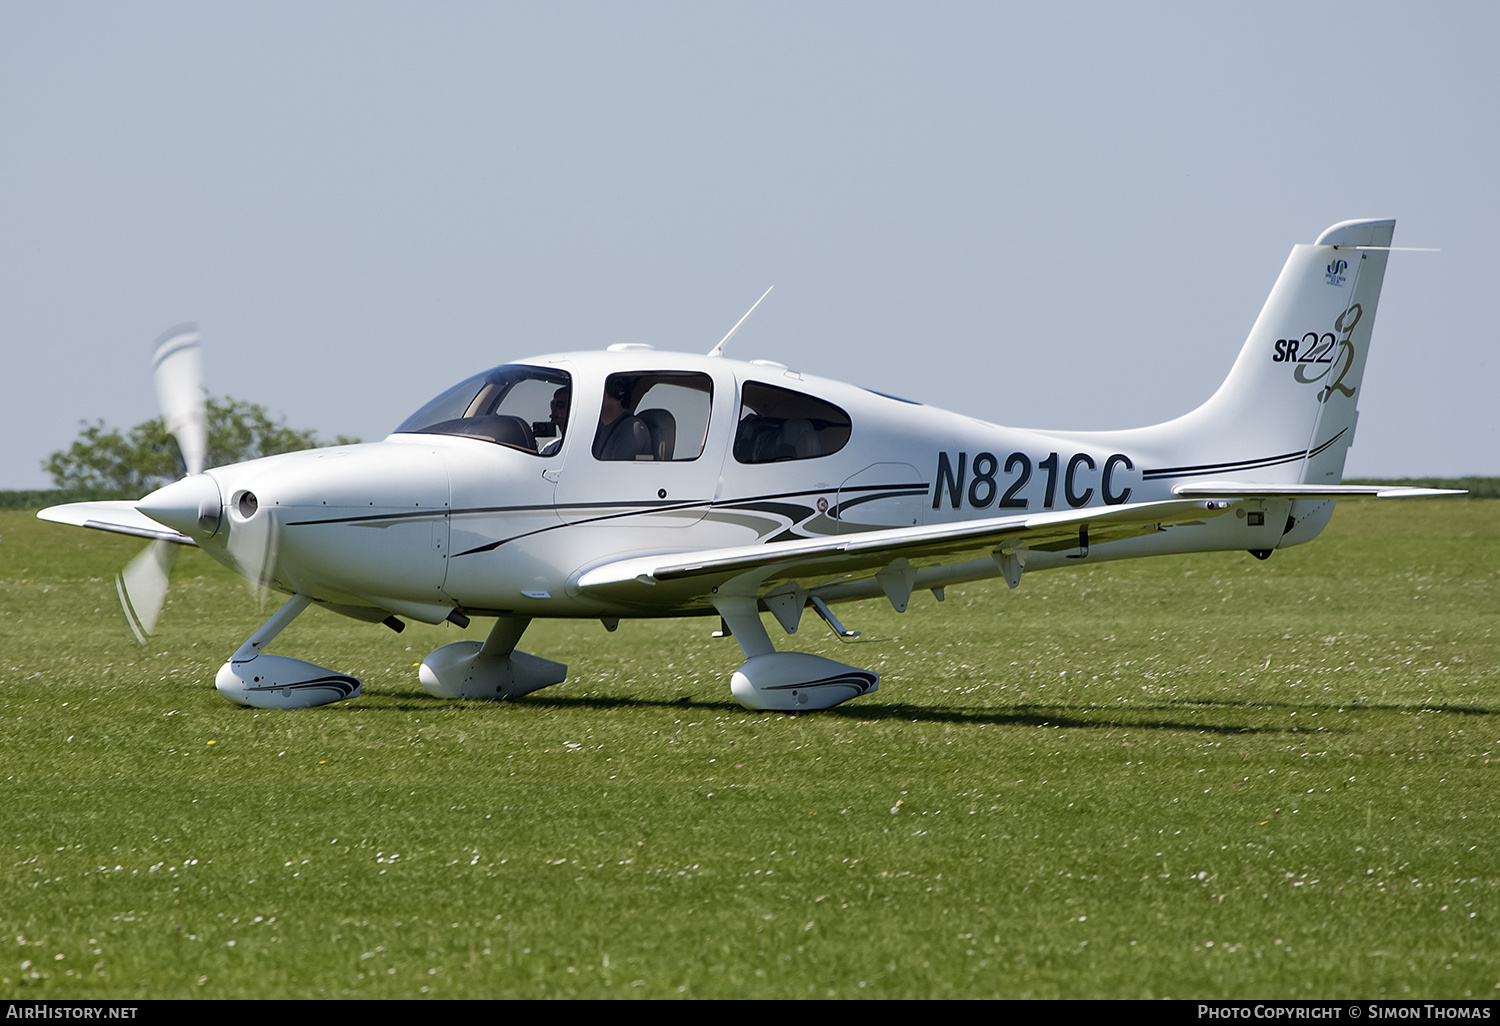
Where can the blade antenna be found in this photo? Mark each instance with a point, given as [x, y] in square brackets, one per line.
[718, 350]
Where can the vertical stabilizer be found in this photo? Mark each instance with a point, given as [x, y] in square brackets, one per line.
[1287, 411]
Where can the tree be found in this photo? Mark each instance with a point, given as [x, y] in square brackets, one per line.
[146, 457]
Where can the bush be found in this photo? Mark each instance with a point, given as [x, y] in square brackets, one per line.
[104, 461]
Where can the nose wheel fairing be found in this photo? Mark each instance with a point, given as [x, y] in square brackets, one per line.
[280, 682]
[262, 681]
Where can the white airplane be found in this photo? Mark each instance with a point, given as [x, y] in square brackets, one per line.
[637, 483]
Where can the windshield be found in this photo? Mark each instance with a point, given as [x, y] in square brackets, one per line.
[521, 407]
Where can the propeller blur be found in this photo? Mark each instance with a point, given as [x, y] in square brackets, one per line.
[637, 483]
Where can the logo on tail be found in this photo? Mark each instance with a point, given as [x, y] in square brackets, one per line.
[1332, 352]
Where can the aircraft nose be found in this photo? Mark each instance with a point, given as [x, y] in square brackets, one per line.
[192, 506]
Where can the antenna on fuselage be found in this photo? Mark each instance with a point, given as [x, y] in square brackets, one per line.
[718, 350]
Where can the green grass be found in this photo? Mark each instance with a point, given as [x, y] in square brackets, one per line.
[1190, 777]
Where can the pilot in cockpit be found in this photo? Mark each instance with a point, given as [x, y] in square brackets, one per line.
[562, 401]
[621, 435]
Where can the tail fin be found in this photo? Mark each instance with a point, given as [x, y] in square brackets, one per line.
[1286, 413]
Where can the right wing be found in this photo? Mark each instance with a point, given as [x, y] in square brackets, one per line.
[891, 556]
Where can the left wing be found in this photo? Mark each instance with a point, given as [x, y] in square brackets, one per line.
[115, 517]
[893, 556]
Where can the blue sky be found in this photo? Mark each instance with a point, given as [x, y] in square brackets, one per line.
[1042, 215]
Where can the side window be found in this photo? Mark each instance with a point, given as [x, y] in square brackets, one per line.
[658, 416]
[778, 424]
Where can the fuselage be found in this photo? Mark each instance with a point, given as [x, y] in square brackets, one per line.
[435, 520]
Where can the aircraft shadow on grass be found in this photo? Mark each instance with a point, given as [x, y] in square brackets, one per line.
[1123, 717]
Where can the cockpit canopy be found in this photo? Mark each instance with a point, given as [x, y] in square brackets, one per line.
[651, 416]
[513, 405]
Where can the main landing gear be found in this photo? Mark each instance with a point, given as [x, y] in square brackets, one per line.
[493, 669]
[786, 681]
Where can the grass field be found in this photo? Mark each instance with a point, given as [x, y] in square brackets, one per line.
[1189, 777]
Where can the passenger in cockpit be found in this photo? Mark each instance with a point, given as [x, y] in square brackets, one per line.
[621, 435]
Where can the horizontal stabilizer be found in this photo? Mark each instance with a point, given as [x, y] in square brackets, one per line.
[116, 517]
[1241, 490]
